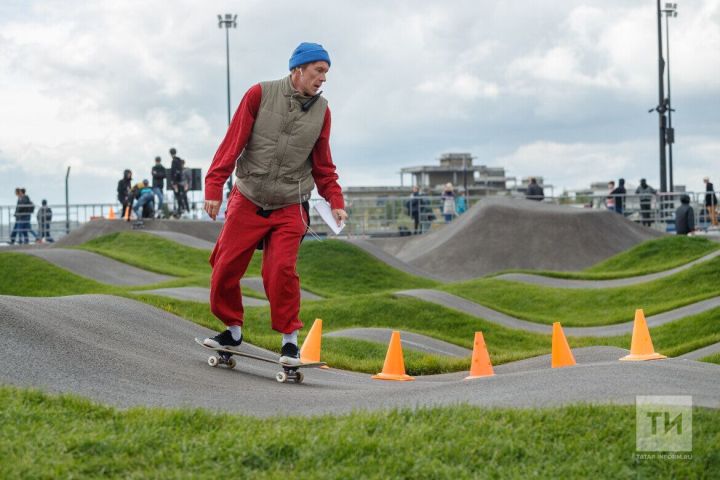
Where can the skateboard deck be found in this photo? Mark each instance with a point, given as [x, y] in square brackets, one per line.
[290, 372]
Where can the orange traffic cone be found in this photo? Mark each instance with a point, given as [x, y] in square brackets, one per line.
[480, 366]
[127, 214]
[310, 351]
[111, 214]
[561, 354]
[641, 347]
[394, 368]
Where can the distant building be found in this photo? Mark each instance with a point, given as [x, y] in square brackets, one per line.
[458, 169]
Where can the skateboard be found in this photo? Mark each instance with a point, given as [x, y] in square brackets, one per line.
[138, 225]
[289, 373]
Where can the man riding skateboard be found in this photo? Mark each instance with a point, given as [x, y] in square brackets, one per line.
[280, 136]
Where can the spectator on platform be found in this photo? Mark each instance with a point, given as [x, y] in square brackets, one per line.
[145, 196]
[460, 203]
[618, 194]
[711, 201]
[44, 217]
[448, 198]
[684, 217]
[610, 200]
[534, 191]
[646, 193]
[158, 183]
[413, 207]
[124, 193]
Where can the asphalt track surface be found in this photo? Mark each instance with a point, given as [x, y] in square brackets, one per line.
[124, 353]
[471, 308]
[182, 239]
[199, 294]
[97, 267]
[409, 340]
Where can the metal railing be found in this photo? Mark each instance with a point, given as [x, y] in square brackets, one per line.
[378, 216]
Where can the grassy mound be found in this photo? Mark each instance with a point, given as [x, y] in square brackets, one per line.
[648, 257]
[328, 268]
[43, 436]
[589, 307]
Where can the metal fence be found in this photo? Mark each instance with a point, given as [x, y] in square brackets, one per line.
[378, 216]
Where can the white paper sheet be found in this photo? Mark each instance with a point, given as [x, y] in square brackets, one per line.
[323, 208]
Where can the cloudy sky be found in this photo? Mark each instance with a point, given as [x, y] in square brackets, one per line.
[558, 89]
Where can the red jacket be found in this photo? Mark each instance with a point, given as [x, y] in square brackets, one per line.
[237, 136]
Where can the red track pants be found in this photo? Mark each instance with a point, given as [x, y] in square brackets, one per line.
[240, 235]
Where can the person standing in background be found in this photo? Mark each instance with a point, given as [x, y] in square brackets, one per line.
[711, 201]
[158, 183]
[124, 194]
[646, 193]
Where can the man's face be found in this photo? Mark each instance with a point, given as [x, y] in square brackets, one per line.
[312, 77]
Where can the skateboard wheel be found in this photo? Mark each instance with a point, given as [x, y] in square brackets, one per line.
[299, 377]
[213, 361]
[281, 377]
[231, 363]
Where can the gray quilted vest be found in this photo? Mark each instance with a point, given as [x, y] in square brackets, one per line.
[275, 169]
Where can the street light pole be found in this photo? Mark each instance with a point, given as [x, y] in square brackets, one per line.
[661, 107]
[669, 11]
[229, 21]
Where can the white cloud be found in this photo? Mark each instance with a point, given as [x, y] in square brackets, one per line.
[107, 85]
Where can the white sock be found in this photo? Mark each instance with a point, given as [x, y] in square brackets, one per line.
[236, 331]
[289, 338]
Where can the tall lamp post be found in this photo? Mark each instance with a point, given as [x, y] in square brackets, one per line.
[229, 21]
[669, 11]
[661, 107]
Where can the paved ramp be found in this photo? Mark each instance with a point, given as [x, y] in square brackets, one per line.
[409, 340]
[619, 282]
[182, 239]
[124, 353]
[199, 294]
[97, 267]
[503, 233]
[480, 311]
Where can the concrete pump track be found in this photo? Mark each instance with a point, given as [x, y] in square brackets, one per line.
[127, 353]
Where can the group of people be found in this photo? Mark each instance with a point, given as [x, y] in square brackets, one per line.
[684, 215]
[23, 214]
[615, 200]
[141, 197]
[418, 207]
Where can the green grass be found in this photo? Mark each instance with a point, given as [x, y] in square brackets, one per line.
[335, 268]
[28, 276]
[43, 436]
[328, 268]
[150, 252]
[715, 358]
[656, 255]
[589, 307]
[648, 257]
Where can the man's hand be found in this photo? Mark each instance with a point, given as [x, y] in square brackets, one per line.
[339, 215]
[212, 207]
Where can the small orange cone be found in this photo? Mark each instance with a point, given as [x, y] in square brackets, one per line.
[394, 368]
[561, 354]
[480, 366]
[111, 214]
[641, 347]
[310, 351]
[127, 214]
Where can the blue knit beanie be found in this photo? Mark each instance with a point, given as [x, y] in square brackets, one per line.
[308, 53]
